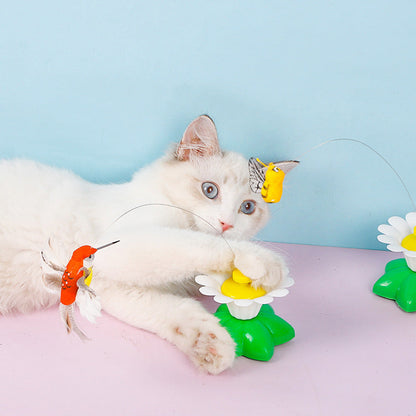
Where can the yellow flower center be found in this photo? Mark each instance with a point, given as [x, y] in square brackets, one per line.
[409, 242]
[239, 287]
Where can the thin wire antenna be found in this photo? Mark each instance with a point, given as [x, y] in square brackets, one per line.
[171, 206]
[107, 245]
[373, 150]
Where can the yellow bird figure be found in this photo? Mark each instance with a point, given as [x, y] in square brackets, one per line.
[268, 179]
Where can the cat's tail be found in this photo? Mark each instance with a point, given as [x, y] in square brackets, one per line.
[67, 316]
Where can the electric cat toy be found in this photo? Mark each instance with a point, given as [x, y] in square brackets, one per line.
[75, 282]
[244, 312]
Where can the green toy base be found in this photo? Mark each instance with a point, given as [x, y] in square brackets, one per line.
[398, 283]
[257, 337]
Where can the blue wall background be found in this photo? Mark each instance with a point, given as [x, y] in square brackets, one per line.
[102, 87]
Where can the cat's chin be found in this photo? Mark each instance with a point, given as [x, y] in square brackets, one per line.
[236, 235]
[232, 234]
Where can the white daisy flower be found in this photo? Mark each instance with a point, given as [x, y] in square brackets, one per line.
[398, 236]
[239, 308]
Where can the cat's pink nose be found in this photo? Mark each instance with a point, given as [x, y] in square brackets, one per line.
[225, 226]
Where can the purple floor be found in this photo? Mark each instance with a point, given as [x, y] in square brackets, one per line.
[353, 354]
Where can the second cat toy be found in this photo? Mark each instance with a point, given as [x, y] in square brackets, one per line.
[75, 282]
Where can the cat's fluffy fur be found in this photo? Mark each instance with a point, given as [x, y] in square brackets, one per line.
[141, 279]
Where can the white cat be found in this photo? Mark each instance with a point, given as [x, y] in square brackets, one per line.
[141, 280]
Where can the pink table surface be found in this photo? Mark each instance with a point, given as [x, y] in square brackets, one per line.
[353, 354]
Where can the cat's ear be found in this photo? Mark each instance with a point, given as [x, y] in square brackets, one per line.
[199, 140]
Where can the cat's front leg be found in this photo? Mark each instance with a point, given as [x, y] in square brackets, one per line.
[155, 256]
[264, 267]
[182, 321]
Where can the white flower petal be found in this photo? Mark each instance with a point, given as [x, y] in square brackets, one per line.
[288, 282]
[263, 300]
[411, 220]
[408, 253]
[220, 298]
[386, 239]
[400, 225]
[278, 293]
[220, 278]
[208, 291]
[395, 248]
[205, 280]
[243, 302]
[391, 231]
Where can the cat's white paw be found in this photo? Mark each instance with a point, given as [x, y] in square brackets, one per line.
[208, 345]
[264, 267]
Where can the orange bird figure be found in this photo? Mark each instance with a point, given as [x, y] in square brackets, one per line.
[75, 288]
[73, 278]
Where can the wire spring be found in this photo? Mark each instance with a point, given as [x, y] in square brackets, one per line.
[170, 206]
[374, 151]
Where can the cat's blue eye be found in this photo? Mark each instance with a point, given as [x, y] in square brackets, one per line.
[248, 207]
[210, 190]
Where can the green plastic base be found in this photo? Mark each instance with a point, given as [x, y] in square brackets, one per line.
[257, 337]
[398, 283]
